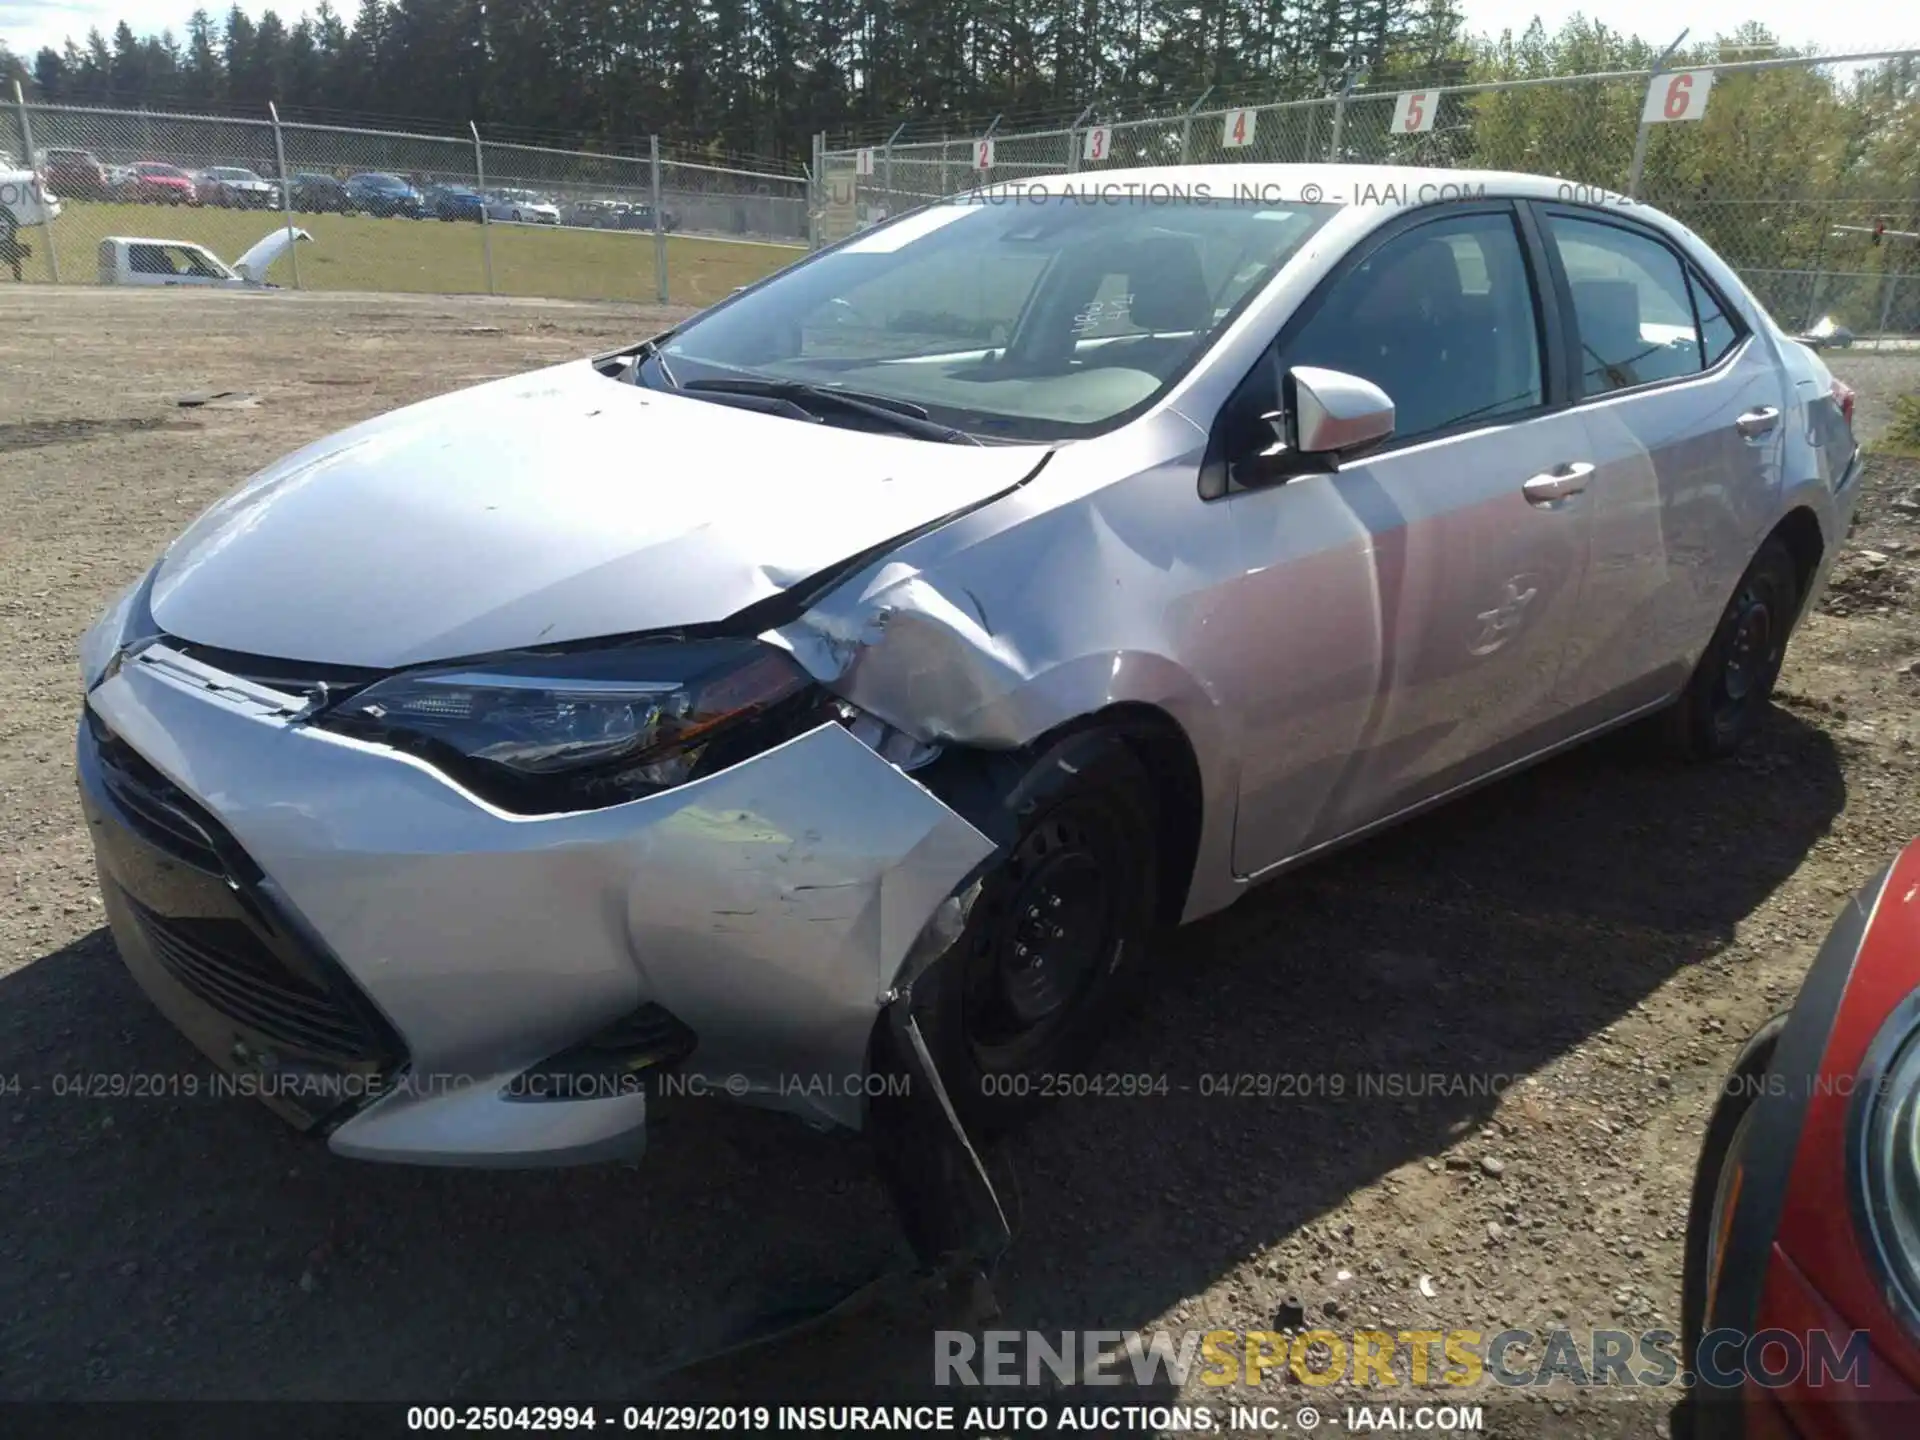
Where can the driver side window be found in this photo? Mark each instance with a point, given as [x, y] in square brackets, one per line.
[1442, 318]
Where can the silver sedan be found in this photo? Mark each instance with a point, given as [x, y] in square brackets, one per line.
[846, 684]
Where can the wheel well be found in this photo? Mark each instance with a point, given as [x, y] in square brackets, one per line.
[1799, 530]
[1156, 738]
[975, 783]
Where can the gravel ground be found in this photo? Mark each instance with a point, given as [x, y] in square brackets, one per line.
[1609, 927]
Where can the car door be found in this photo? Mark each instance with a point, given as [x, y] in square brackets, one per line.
[1682, 404]
[1470, 525]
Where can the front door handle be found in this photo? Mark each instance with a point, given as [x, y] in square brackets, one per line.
[1756, 423]
[1558, 483]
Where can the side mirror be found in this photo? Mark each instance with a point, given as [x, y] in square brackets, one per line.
[1326, 417]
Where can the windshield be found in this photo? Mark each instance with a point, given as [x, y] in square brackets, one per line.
[1028, 317]
[233, 175]
[165, 172]
[381, 182]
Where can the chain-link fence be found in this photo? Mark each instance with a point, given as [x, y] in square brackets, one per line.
[1803, 172]
[95, 196]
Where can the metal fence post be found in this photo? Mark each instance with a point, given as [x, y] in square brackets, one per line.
[1186, 125]
[887, 175]
[1641, 136]
[1340, 114]
[659, 222]
[1073, 135]
[46, 210]
[286, 193]
[816, 201]
[486, 220]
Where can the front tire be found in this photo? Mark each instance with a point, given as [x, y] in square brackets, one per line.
[1014, 1008]
[1727, 697]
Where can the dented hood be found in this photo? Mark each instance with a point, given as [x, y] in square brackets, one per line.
[549, 507]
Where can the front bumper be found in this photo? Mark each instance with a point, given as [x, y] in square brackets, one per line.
[770, 908]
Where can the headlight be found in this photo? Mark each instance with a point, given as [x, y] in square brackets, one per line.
[543, 733]
[1888, 1132]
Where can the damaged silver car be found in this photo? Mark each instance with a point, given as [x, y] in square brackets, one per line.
[851, 681]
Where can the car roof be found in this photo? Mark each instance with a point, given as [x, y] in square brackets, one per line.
[1346, 185]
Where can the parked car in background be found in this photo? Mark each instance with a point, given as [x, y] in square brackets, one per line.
[238, 189]
[315, 193]
[1021, 620]
[122, 183]
[522, 207]
[1805, 1219]
[140, 260]
[456, 202]
[586, 214]
[77, 174]
[157, 183]
[379, 193]
[623, 215]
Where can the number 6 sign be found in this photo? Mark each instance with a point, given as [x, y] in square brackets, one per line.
[1414, 110]
[1679, 96]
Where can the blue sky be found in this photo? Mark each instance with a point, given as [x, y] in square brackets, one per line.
[26, 25]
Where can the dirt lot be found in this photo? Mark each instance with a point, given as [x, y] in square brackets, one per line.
[1609, 927]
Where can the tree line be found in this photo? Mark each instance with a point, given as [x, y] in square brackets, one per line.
[755, 76]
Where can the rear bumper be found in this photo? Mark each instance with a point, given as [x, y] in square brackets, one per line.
[769, 908]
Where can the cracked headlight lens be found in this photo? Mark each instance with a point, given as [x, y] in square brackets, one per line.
[579, 730]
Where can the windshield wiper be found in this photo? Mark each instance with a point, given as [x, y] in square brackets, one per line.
[902, 416]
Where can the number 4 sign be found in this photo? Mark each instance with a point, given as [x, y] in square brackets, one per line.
[1098, 143]
[983, 153]
[1679, 96]
[1414, 110]
[1239, 130]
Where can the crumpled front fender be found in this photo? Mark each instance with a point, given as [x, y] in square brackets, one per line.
[771, 907]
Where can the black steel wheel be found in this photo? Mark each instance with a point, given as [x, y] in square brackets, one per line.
[1013, 1009]
[1728, 694]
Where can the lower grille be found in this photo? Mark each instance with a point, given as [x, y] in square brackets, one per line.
[224, 963]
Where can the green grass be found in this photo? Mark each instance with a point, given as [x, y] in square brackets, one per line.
[359, 252]
[1902, 437]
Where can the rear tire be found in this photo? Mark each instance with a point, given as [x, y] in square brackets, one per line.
[1014, 1008]
[1727, 697]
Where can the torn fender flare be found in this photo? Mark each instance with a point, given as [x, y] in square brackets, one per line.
[946, 1202]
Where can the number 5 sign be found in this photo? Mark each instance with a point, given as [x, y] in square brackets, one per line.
[1679, 96]
[983, 153]
[1099, 141]
[1414, 110]
[1239, 130]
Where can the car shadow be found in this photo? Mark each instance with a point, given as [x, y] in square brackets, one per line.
[165, 1242]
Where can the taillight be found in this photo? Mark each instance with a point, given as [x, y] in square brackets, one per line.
[1843, 397]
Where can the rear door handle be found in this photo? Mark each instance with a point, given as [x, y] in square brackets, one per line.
[1558, 483]
[1756, 423]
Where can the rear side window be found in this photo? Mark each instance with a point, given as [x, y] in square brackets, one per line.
[1632, 311]
[1719, 331]
[1440, 317]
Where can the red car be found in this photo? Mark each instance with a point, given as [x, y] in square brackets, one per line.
[160, 184]
[1801, 1303]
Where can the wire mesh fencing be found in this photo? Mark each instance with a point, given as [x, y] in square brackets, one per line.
[1802, 172]
[105, 196]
